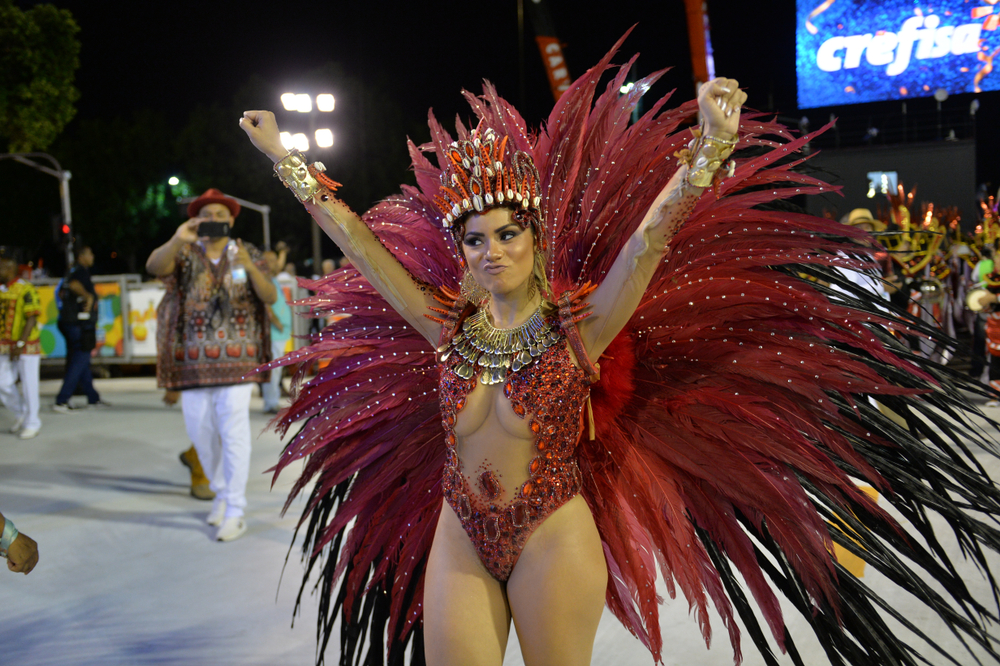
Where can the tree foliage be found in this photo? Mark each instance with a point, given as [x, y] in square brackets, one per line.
[39, 56]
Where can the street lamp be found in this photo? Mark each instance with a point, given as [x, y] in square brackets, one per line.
[299, 141]
[324, 102]
[324, 138]
[303, 103]
[28, 159]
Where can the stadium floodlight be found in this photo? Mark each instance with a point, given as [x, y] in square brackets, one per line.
[324, 102]
[324, 138]
[290, 101]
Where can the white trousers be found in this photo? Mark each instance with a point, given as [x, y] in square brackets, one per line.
[24, 403]
[218, 422]
[272, 389]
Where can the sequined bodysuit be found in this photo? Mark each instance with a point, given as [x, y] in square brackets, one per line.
[557, 391]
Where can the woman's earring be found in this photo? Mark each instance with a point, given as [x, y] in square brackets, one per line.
[471, 290]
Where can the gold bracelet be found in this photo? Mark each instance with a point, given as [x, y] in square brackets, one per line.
[295, 174]
[704, 156]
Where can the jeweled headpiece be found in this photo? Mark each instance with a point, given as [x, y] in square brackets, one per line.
[479, 175]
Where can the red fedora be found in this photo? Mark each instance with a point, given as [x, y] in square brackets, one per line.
[211, 196]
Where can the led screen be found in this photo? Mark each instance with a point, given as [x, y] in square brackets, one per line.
[882, 181]
[852, 51]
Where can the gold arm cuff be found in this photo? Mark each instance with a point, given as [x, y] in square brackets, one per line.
[704, 156]
[294, 173]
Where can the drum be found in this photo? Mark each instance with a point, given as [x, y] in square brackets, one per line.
[972, 299]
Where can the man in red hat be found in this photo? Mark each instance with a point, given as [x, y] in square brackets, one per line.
[218, 334]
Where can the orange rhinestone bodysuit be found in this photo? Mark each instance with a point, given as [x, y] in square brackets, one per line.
[557, 391]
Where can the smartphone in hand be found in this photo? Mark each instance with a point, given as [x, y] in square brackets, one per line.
[213, 229]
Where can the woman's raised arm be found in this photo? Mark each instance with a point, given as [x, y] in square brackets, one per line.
[616, 299]
[354, 238]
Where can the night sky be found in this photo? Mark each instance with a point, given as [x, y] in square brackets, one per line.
[174, 55]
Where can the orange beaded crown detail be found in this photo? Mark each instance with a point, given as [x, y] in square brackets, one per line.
[479, 174]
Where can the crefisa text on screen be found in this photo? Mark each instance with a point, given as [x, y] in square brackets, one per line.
[858, 51]
[920, 38]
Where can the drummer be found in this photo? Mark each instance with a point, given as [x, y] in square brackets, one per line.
[974, 301]
[988, 301]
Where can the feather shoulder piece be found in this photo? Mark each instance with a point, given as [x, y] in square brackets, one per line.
[739, 414]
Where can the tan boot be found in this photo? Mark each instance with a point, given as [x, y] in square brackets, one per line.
[199, 482]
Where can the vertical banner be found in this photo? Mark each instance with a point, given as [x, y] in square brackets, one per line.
[549, 47]
[110, 324]
[555, 65]
[53, 343]
[700, 40]
[142, 318]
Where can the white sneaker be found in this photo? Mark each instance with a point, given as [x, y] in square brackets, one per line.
[62, 408]
[17, 424]
[992, 403]
[218, 512]
[29, 433]
[232, 528]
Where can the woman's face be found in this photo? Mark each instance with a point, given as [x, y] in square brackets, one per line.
[499, 253]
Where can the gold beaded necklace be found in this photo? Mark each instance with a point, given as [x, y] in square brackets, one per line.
[496, 352]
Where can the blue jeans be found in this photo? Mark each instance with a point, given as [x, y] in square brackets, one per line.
[77, 366]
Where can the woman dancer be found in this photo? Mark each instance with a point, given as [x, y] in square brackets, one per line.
[514, 497]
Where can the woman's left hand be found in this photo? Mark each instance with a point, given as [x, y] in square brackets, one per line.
[719, 101]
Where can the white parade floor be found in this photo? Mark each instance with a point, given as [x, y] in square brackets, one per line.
[129, 574]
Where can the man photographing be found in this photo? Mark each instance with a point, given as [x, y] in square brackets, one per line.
[217, 334]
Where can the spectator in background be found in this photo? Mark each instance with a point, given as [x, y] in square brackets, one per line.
[78, 325]
[20, 350]
[20, 549]
[288, 273]
[280, 316]
[983, 268]
[218, 334]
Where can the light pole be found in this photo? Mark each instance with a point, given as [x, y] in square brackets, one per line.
[63, 176]
[303, 103]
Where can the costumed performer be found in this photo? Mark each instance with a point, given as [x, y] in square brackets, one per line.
[487, 476]
[518, 354]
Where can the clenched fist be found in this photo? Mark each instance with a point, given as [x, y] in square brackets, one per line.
[262, 129]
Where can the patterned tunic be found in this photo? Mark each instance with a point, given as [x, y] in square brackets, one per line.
[216, 332]
[18, 302]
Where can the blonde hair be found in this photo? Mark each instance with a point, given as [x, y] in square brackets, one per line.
[538, 272]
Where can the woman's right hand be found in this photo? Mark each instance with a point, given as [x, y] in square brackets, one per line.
[262, 129]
